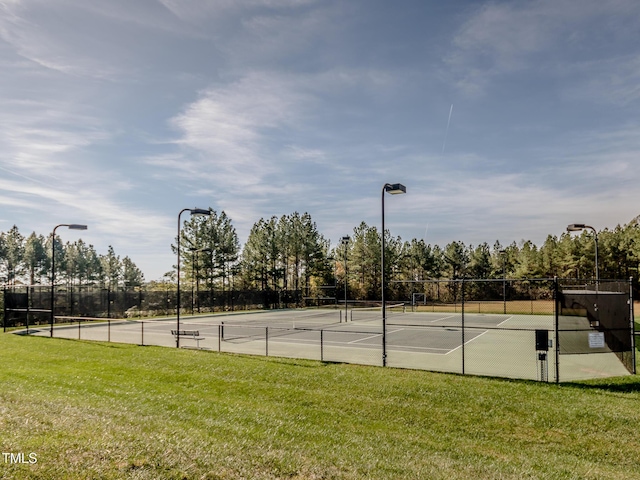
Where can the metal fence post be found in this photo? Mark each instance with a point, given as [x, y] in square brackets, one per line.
[4, 309]
[556, 300]
[322, 345]
[462, 310]
[142, 333]
[28, 309]
[633, 326]
[266, 341]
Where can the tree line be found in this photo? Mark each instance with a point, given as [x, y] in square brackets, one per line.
[289, 253]
[27, 260]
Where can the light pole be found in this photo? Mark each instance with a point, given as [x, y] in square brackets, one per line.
[503, 254]
[345, 241]
[393, 189]
[193, 211]
[71, 226]
[577, 227]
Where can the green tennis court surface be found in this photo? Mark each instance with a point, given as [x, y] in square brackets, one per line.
[489, 344]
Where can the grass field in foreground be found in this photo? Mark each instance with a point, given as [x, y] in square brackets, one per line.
[110, 411]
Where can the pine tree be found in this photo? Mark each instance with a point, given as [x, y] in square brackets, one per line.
[14, 244]
[131, 275]
[111, 269]
[35, 258]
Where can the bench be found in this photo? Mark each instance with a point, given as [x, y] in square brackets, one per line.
[193, 334]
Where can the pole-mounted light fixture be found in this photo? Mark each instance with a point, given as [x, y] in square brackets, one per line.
[345, 241]
[192, 211]
[393, 189]
[503, 254]
[70, 226]
[576, 227]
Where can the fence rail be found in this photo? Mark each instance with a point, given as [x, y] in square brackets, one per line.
[556, 334]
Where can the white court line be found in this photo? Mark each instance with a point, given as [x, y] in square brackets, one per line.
[465, 343]
[443, 318]
[374, 336]
[510, 317]
[410, 347]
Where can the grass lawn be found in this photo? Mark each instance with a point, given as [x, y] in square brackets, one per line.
[110, 411]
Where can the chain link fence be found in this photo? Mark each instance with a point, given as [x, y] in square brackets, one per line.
[539, 329]
[31, 305]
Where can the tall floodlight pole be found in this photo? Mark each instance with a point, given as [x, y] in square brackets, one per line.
[503, 254]
[71, 226]
[345, 241]
[193, 211]
[393, 189]
[577, 227]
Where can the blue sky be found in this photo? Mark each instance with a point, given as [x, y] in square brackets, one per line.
[505, 120]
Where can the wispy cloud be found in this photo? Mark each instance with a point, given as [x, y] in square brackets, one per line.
[118, 114]
[88, 39]
[34, 135]
[224, 132]
[202, 10]
[614, 81]
[508, 37]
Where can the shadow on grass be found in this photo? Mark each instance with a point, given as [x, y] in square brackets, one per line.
[630, 384]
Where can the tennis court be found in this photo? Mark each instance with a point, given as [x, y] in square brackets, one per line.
[500, 345]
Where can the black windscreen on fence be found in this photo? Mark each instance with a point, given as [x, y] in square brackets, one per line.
[84, 301]
[597, 320]
[544, 329]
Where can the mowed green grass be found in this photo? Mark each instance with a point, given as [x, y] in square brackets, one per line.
[109, 411]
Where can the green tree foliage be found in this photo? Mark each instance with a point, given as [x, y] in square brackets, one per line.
[209, 249]
[13, 254]
[83, 265]
[36, 261]
[365, 252]
[131, 275]
[285, 253]
[567, 256]
[289, 253]
[28, 261]
[480, 264]
[111, 269]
